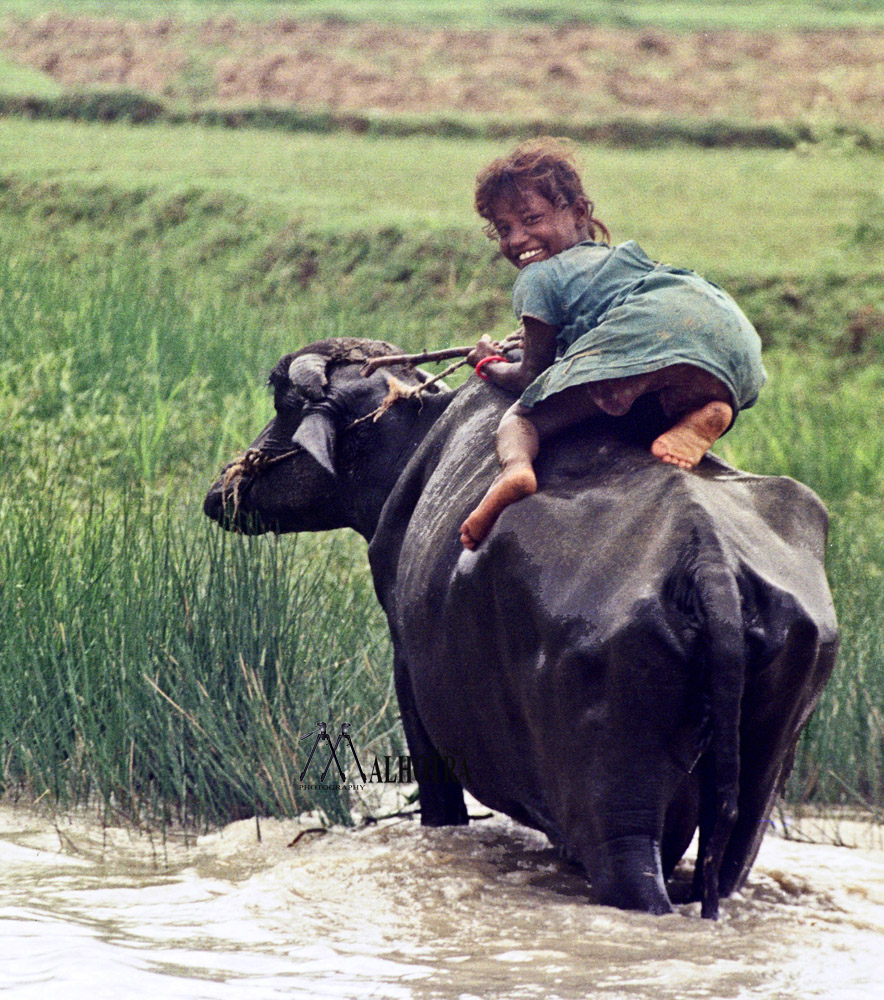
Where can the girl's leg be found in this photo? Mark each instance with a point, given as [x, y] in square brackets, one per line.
[701, 406]
[698, 402]
[517, 445]
[518, 440]
[687, 441]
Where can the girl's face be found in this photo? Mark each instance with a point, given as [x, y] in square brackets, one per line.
[533, 228]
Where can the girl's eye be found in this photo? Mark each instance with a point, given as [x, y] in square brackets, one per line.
[531, 220]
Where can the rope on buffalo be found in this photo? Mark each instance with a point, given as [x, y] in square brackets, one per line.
[252, 462]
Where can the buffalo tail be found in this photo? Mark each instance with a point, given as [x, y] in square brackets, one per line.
[720, 602]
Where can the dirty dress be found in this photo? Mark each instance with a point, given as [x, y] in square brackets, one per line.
[622, 315]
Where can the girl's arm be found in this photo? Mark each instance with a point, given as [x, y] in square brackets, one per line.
[539, 351]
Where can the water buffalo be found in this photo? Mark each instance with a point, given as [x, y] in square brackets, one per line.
[630, 654]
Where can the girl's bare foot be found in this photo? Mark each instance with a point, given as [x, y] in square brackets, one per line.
[689, 440]
[514, 482]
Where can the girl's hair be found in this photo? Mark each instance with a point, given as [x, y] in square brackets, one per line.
[545, 165]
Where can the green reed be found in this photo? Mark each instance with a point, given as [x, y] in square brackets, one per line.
[149, 661]
[820, 423]
[167, 670]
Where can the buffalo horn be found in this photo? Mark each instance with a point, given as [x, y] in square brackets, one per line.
[307, 375]
[316, 435]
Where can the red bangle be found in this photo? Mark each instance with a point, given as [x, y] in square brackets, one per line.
[485, 361]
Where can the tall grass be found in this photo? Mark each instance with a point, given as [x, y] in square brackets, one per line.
[165, 670]
[821, 424]
[109, 371]
[148, 661]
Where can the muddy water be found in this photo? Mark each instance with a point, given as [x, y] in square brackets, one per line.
[395, 911]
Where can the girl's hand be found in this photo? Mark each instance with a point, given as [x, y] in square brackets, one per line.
[501, 373]
[514, 341]
[484, 349]
[539, 350]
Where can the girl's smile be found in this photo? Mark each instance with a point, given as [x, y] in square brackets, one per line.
[533, 229]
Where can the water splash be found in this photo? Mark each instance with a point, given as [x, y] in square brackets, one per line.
[400, 912]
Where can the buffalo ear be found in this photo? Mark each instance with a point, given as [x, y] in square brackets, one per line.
[316, 435]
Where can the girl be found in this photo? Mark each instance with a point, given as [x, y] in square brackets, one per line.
[602, 326]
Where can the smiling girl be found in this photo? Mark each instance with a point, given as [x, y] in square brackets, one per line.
[603, 325]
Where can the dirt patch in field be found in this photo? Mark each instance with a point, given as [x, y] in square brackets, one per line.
[579, 72]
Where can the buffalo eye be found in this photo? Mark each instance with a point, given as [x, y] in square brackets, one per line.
[286, 398]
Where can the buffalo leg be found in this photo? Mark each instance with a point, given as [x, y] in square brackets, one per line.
[627, 873]
[707, 821]
[441, 794]
[680, 824]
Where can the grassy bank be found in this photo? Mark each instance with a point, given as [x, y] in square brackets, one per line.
[796, 236]
[148, 281]
[24, 97]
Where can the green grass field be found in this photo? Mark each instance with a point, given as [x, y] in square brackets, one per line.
[17, 79]
[759, 212]
[150, 277]
[751, 15]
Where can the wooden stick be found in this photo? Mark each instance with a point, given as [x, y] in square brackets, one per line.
[443, 374]
[398, 390]
[408, 359]
[510, 341]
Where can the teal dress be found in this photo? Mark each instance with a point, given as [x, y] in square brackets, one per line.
[620, 314]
